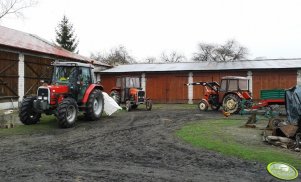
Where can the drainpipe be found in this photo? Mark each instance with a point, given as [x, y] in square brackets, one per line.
[21, 80]
[250, 77]
[190, 88]
[143, 82]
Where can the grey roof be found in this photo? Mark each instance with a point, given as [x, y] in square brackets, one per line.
[208, 66]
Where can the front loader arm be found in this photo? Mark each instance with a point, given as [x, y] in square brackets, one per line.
[212, 85]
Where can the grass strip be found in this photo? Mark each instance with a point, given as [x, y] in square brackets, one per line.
[214, 135]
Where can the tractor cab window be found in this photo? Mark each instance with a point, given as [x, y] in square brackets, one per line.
[85, 76]
[64, 74]
[132, 82]
[243, 84]
[232, 86]
[223, 85]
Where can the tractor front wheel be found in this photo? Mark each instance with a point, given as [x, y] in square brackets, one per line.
[95, 105]
[203, 105]
[27, 113]
[116, 96]
[67, 113]
[231, 103]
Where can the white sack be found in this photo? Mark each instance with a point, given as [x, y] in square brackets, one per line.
[110, 106]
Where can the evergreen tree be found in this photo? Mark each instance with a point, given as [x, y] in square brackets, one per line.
[65, 35]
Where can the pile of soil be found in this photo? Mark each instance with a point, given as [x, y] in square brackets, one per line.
[128, 146]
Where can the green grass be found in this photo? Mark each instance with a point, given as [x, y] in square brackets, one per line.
[46, 124]
[211, 135]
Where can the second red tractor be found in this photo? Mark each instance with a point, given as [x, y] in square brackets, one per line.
[232, 94]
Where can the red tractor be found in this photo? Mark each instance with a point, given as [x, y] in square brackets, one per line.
[232, 94]
[128, 91]
[72, 89]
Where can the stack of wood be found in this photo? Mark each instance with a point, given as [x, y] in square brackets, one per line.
[281, 133]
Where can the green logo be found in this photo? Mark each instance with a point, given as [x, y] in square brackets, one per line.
[282, 170]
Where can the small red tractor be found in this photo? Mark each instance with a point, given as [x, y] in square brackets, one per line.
[72, 89]
[232, 94]
[128, 91]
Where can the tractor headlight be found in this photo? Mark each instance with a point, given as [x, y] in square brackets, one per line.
[40, 97]
[45, 98]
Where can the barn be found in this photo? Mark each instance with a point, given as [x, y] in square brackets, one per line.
[25, 60]
[164, 83]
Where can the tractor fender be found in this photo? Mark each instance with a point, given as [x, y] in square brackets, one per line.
[205, 101]
[89, 90]
[234, 93]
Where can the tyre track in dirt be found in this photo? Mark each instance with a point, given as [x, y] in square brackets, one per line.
[135, 146]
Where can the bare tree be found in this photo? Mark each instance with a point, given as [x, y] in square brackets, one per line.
[230, 51]
[150, 60]
[116, 56]
[173, 57]
[14, 7]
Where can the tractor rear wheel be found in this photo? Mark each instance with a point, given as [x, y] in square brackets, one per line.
[27, 113]
[95, 105]
[231, 103]
[67, 113]
[116, 96]
[203, 105]
[149, 105]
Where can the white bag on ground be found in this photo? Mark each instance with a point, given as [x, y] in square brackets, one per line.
[110, 106]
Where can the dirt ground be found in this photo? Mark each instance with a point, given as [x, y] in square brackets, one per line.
[136, 146]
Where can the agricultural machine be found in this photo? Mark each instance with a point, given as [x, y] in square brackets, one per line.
[232, 94]
[128, 91]
[72, 89]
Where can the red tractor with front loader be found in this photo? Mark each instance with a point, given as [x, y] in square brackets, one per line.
[73, 88]
[128, 91]
[232, 94]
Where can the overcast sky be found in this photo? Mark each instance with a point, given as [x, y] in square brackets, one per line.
[268, 28]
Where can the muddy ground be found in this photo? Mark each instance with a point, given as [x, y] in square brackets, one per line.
[136, 146]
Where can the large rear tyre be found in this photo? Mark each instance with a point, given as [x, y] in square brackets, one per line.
[203, 105]
[231, 103]
[67, 113]
[116, 96]
[27, 113]
[95, 105]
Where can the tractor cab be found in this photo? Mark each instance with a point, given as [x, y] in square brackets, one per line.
[75, 76]
[128, 90]
[234, 84]
[234, 93]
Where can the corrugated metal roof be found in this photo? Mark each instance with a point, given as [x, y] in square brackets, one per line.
[208, 66]
[21, 40]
